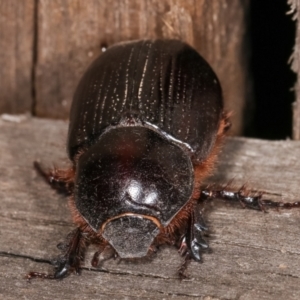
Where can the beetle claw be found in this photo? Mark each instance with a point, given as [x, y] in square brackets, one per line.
[62, 271]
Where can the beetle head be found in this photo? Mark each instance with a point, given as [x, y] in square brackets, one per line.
[130, 183]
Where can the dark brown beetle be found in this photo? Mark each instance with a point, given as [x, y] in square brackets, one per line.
[146, 126]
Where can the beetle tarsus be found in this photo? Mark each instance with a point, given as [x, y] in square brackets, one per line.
[32, 275]
[62, 272]
[245, 198]
[279, 204]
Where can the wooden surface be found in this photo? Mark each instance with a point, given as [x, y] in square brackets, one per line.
[68, 35]
[16, 55]
[254, 255]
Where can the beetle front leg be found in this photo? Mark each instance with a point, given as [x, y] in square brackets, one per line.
[73, 248]
[192, 242]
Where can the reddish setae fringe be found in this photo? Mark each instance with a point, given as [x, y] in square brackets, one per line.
[177, 227]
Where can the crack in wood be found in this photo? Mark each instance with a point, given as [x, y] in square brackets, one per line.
[15, 255]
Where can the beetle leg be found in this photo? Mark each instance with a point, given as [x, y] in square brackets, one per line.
[76, 244]
[246, 199]
[59, 180]
[197, 227]
[192, 242]
[194, 239]
[74, 248]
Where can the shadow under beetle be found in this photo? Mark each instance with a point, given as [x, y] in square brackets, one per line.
[146, 126]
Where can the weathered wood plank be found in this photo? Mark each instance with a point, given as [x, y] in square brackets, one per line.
[71, 32]
[16, 59]
[255, 255]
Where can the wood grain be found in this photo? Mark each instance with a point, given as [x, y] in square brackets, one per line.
[16, 58]
[254, 255]
[70, 35]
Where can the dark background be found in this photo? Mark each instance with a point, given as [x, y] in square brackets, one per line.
[272, 34]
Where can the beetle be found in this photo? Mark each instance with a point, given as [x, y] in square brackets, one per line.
[146, 125]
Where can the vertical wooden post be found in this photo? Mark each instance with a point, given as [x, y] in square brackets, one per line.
[295, 10]
[16, 58]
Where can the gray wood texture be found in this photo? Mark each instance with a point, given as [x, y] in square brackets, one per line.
[254, 255]
[16, 55]
[64, 36]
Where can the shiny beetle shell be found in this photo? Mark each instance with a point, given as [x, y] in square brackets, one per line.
[144, 114]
